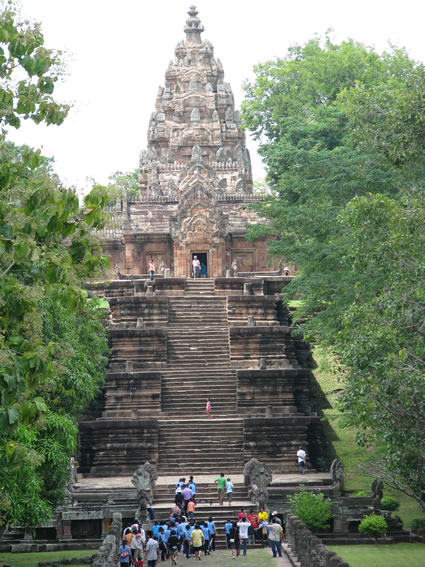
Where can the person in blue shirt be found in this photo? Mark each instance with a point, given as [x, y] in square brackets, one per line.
[192, 486]
[162, 544]
[186, 544]
[124, 554]
[181, 528]
[206, 532]
[213, 531]
[227, 527]
[167, 534]
[155, 529]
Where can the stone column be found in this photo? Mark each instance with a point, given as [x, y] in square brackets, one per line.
[66, 529]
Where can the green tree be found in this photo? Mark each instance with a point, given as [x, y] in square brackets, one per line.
[342, 135]
[122, 184]
[47, 249]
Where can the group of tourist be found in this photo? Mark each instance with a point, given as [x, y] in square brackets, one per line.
[254, 528]
[192, 537]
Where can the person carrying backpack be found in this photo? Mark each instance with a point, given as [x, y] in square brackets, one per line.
[124, 554]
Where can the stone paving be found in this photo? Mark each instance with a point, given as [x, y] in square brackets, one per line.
[125, 481]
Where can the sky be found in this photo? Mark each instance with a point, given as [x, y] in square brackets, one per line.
[117, 52]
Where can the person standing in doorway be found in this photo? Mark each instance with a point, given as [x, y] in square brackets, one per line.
[151, 269]
[302, 457]
[221, 485]
[196, 266]
[203, 270]
[208, 408]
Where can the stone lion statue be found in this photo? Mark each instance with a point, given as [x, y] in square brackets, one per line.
[257, 477]
[144, 480]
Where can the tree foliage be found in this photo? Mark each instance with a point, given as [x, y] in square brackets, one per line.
[342, 135]
[52, 343]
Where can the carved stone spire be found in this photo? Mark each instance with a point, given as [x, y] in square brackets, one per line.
[195, 109]
[193, 27]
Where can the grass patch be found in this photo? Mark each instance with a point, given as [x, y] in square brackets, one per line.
[397, 555]
[32, 559]
[330, 377]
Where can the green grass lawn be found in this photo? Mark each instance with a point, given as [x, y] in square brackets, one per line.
[398, 555]
[254, 558]
[32, 559]
[330, 378]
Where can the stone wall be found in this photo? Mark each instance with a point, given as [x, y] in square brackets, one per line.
[275, 440]
[280, 390]
[308, 549]
[117, 446]
[249, 344]
[130, 395]
[262, 309]
[146, 348]
[153, 310]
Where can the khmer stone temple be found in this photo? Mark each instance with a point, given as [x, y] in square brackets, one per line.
[195, 175]
[177, 341]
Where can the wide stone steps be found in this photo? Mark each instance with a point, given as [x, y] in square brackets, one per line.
[200, 286]
[201, 445]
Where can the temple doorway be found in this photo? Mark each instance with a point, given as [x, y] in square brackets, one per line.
[203, 258]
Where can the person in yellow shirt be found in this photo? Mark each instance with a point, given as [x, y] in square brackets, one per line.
[262, 530]
[197, 539]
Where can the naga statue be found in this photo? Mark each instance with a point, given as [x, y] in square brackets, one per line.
[144, 480]
[257, 477]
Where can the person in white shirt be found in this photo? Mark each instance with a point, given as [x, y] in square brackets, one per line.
[302, 457]
[196, 266]
[244, 526]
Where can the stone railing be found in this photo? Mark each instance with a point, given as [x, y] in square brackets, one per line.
[308, 549]
[108, 552]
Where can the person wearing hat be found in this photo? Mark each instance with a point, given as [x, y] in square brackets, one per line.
[276, 517]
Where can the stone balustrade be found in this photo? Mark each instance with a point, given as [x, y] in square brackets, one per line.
[309, 549]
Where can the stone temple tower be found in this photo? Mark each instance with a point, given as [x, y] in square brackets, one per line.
[195, 176]
[195, 122]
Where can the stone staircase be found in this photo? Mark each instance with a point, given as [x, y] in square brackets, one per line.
[200, 286]
[201, 446]
[184, 392]
[197, 332]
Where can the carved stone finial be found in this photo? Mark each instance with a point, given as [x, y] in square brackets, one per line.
[196, 154]
[193, 27]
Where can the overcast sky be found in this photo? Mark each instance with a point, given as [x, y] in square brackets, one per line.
[118, 51]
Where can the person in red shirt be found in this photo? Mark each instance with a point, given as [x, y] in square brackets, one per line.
[242, 513]
[253, 518]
